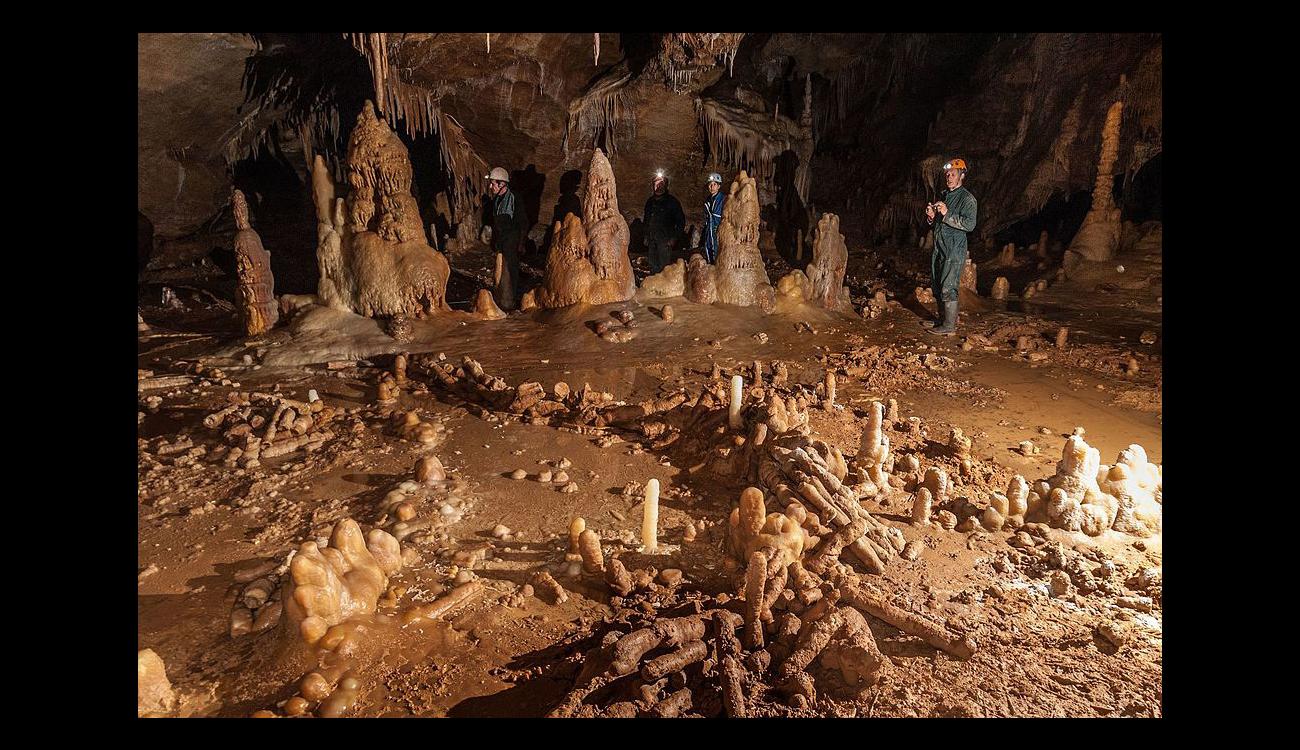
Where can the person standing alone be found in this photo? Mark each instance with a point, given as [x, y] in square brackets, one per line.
[713, 204]
[664, 221]
[956, 213]
[507, 236]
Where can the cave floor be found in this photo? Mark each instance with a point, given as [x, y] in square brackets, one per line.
[201, 524]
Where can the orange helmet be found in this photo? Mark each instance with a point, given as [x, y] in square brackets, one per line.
[955, 164]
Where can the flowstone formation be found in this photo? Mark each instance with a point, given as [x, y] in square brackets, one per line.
[257, 306]
[822, 282]
[741, 277]
[588, 262]
[372, 252]
[670, 282]
[1087, 496]
[328, 586]
[1098, 238]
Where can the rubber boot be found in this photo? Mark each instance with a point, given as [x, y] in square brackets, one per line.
[949, 326]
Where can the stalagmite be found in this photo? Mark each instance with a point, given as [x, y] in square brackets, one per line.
[1062, 337]
[1001, 288]
[576, 527]
[650, 516]
[873, 451]
[733, 406]
[593, 559]
[968, 276]
[486, 307]
[373, 255]
[1098, 238]
[741, 276]
[921, 505]
[589, 261]
[829, 403]
[257, 306]
[829, 262]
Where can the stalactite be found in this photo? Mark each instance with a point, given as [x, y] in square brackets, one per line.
[598, 111]
[741, 140]
[596, 60]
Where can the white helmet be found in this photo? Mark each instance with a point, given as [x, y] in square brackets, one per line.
[714, 177]
[498, 173]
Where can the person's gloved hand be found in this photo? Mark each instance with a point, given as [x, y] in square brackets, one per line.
[929, 211]
[941, 207]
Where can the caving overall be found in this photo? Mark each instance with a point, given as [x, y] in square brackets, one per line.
[712, 218]
[949, 256]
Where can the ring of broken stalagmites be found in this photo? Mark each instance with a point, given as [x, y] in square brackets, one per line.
[770, 446]
[266, 425]
[794, 631]
[486, 395]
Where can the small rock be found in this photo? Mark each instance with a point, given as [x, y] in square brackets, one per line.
[911, 550]
[1044, 431]
[500, 531]
[1027, 448]
[1148, 337]
[570, 487]
[1139, 603]
[1060, 583]
[463, 577]
[563, 463]
[544, 477]
[518, 474]
[560, 477]
[670, 576]
[1114, 633]
[148, 571]
[154, 690]
[946, 519]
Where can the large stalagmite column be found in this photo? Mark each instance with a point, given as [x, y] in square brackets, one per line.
[1098, 238]
[257, 305]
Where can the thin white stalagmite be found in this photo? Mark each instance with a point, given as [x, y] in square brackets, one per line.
[489, 43]
[650, 517]
[597, 58]
[733, 409]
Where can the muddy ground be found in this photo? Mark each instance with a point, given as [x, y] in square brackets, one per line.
[202, 523]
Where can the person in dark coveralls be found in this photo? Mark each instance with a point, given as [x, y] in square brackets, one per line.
[955, 211]
[713, 204]
[507, 235]
[664, 221]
